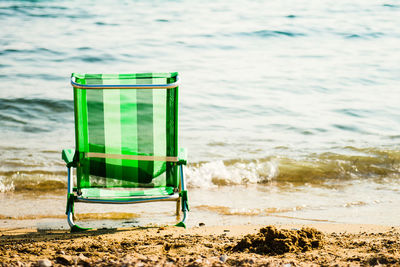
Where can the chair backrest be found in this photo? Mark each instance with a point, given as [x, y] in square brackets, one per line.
[126, 137]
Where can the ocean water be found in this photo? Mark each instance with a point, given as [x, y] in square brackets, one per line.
[289, 109]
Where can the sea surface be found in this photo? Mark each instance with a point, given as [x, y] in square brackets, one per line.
[290, 110]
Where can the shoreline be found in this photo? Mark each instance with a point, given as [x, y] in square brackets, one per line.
[342, 244]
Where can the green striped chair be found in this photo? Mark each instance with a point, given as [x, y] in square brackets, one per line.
[126, 132]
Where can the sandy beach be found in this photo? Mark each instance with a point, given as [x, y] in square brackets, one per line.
[244, 245]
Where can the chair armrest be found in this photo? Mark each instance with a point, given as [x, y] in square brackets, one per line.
[182, 156]
[68, 155]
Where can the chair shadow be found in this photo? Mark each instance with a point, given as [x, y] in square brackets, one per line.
[21, 235]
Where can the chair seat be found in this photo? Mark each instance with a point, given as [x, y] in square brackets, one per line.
[117, 193]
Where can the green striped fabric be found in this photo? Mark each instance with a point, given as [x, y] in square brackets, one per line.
[126, 122]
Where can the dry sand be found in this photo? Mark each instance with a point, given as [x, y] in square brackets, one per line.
[335, 244]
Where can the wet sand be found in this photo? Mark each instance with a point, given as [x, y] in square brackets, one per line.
[340, 244]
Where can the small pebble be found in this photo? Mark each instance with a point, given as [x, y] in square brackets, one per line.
[82, 257]
[223, 258]
[45, 263]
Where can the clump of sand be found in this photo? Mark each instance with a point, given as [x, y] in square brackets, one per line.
[271, 241]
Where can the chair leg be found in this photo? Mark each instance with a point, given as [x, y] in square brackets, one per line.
[183, 199]
[70, 211]
[70, 207]
[178, 207]
[70, 216]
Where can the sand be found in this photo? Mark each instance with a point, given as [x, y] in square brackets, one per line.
[328, 244]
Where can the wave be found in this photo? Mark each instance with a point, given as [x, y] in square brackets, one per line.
[232, 172]
[28, 115]
[272, 33]
[314, 169]
[16, 105]
[294, 34]
[28, 49]
[370, 35]
[391, 5]
[39, 9]
[368, 163]
[35, 181]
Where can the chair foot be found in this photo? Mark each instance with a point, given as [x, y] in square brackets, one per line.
[181, 224]
[70, 218]
[75, 228]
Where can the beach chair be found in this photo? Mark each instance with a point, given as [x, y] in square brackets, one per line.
[126, 142]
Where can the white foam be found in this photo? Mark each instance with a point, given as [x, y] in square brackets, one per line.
[217, 173]
[4, 187]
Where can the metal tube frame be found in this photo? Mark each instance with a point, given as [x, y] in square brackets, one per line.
[131, 201]
[183, 202]
[125, 86]
[70, 215]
